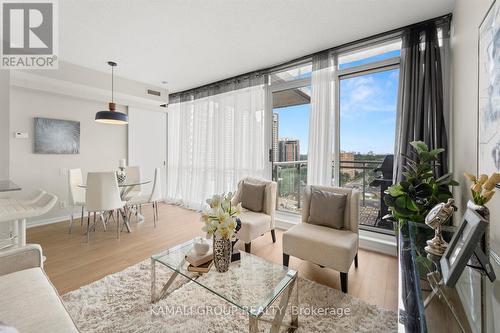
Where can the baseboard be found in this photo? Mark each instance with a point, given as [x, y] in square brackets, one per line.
[38, 223]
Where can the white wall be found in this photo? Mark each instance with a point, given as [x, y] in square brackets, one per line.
[467, 17]
[4, 124]
[101, 145]
[74, 93]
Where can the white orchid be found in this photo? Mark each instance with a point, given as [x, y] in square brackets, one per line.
[220, 218]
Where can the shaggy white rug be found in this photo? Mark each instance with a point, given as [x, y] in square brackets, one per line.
[120, 303]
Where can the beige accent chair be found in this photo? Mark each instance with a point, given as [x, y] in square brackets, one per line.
[325, 246]
[255, 224]
[29, 302]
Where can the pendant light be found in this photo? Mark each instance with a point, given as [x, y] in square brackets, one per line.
[112, 116]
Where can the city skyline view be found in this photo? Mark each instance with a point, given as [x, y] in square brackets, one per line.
[367, 110]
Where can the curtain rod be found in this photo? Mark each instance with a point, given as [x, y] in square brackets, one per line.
[439, 19]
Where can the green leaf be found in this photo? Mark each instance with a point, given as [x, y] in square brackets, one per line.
[395, 190]
[444, 178]
[436, 152]
[419, 146]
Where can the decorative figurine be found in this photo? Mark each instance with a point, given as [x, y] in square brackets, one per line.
[435, 219]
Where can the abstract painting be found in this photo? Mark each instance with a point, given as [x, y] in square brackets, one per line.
[489, 92]
[54, 136]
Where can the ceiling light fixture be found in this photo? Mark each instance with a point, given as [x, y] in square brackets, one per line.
[112, 116]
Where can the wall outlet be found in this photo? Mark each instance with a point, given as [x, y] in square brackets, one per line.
[62, 204]
[21, 135]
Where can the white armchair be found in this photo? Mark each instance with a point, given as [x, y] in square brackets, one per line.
[322, 245]
[255, 224]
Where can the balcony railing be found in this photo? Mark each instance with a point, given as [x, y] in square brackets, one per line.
[292, 178]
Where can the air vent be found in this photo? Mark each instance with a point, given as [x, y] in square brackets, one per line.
[154, 92]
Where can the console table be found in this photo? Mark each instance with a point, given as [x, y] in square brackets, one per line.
[417, 312]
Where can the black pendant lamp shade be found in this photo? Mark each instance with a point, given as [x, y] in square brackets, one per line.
[111, 116]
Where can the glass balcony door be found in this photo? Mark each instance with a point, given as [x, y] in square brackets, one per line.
[290, 92]
[367, 135]
[290, 136]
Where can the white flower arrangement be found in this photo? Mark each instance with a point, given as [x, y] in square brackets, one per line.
[221, 218]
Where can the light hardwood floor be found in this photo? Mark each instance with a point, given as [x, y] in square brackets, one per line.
[72, 263]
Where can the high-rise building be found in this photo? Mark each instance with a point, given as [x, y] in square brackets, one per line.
[276, 123]
[289, 150]
[347, 164]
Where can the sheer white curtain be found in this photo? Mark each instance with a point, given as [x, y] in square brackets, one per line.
[321, 122]
[213, 142]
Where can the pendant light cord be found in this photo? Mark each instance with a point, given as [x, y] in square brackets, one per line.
[112, 83]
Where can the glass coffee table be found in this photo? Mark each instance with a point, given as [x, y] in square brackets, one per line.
[252, 284]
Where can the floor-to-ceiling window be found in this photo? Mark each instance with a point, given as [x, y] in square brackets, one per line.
[368, 82]
[290, 98]
[366, 86]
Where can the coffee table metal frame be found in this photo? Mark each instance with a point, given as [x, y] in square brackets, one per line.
[288, 293]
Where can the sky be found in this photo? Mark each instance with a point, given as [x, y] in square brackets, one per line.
[367, 112]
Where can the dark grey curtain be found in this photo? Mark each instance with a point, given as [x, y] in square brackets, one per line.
[421, 114]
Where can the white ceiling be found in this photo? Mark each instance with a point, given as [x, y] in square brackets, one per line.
[193, 42]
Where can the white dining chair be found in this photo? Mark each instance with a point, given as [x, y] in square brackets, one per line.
[102, 195]
[133, 175]
[21, 210]
[153, 198]
[76, 194]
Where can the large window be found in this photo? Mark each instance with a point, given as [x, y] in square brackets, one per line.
[291, 98]
[367, 80]
[367, 130]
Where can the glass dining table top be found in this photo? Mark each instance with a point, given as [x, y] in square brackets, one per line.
[126, 183]
[251, 284]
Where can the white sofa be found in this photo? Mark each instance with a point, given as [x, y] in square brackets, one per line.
[28, 301]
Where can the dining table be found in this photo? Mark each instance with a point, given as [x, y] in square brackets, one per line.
[126, 188]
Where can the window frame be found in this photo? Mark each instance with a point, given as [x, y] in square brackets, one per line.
[347, 73]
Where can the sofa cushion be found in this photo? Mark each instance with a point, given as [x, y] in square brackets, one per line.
[30, 303]
[324, 246]
[253, 225]
[252, 196]
[327, 208]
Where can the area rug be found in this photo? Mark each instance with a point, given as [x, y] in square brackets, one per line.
[120, 303]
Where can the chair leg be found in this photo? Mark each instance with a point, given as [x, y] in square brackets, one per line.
[154, 214]
[70, 222]
[118, 224]
[273, 235]
[81, 219]
[286, 259]
[103, 222]
[248, 247]
[343, 282]
[356, 261]
[88, 227]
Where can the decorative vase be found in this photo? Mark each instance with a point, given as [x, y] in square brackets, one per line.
[484, 243]
[121, 176]
[222, 254]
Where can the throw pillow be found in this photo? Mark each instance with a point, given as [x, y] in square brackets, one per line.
[252, 196]
[327, 208]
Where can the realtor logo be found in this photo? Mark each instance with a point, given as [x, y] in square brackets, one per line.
[29, 38]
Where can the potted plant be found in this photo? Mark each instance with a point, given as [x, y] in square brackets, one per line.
[221, 223]
[413, 198]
